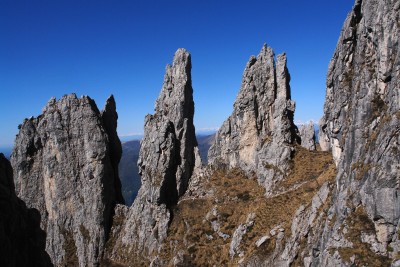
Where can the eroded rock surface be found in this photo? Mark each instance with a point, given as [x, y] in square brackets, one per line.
[168, 157]
[307, 135]
[258, 135]
[65, 167]
[362, 126]
[23, 243]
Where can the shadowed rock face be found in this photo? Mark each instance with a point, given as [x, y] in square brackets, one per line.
[167, 159]
[257, 137]
[65, 166]
[22, 241]
[361, 124]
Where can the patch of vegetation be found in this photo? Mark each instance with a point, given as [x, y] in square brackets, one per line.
[378, 107]
[361, 169]
[70, 257]
[358, 222]
[84, 232]
[235, 197]
[306, 166]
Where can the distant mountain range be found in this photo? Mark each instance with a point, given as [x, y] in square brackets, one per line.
[128, 170]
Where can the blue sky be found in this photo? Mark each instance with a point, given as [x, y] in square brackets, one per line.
[97, 48]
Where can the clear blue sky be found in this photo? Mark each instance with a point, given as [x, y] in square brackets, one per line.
[97, 48]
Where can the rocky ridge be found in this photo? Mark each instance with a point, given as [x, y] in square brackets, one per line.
[361, 125]
[65, 166]
[168, 157]
[259, 134]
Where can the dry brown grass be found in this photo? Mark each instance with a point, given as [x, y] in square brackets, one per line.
[361, 169]
[70, 258]
[359, 222]
[306, 166]
[235, 197]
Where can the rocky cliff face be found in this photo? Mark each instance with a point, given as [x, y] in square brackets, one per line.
[65, 167]
[361, 124]
[258, 135]
[167, 159]
[22, 241]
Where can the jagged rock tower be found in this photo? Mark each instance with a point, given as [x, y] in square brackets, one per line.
[65, 165]
[361, 124]
[257, 137]
[168, 157]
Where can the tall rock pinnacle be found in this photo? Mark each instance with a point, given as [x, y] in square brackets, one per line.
[258, 134]
[65, 163]
[168, 157]
[361, 125]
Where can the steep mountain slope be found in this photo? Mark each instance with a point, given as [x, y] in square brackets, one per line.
[361, 124]
[65, 166]
[231, 222]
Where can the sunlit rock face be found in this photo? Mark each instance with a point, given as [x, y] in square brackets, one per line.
[361, 125]
[258, 135]
[66, 166]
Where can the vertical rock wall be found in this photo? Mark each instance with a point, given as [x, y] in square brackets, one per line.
[361, 124]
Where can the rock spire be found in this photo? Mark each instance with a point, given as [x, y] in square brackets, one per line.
[168, 156]
[65, 166]
[258, 135]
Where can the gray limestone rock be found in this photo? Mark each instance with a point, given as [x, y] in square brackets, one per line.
[258, 135]
[168, 157]
[362, 125]
[307, 135]
[323, 138]
[23, 243]
[65, 166]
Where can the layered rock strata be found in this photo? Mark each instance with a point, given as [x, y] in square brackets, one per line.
[23, 243]
[168, 156]
[361, 124]
[65, 166]
[258, 135]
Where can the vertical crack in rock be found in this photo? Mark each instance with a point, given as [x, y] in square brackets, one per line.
[258, 135]
[361, 125]
[168, 156]
[65, 163]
